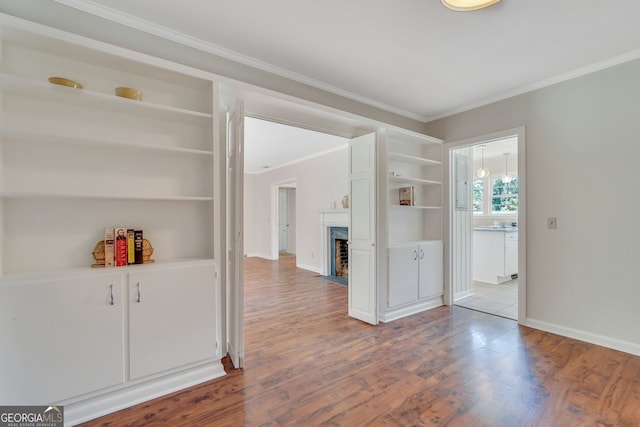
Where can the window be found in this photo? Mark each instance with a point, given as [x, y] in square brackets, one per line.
[504, 196]
[478, 196]
[500, 198]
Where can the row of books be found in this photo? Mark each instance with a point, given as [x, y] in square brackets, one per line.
[122, 246]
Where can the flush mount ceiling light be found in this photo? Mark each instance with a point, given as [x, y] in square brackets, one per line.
[468, 5]
[483, 172]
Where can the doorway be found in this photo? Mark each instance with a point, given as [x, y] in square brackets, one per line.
[287, 219]
[487, 224]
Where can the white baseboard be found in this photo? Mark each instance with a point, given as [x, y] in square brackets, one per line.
[613, 343]
[310, 268]
[398, 313]
[88, 409]
[463, 294]
[263, 256]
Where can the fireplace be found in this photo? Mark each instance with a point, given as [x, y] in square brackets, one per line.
[339, 254]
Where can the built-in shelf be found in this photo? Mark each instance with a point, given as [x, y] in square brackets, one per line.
[26, 135]
[408, 180]
[31, 276]
[89, 196]
[415, 207]
[413, 159]
[83, 97]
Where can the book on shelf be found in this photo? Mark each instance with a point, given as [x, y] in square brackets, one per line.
[109, 248]
[407, 196]
[138, 255]
[120, 247]
[131, 246]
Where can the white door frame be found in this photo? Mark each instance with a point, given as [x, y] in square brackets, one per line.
[235, 235]
[522, 224]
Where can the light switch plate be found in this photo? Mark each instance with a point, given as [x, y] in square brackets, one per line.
[552, 223]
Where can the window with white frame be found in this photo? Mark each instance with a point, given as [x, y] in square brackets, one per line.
[504, 196]
[478, 196]
[493, 196]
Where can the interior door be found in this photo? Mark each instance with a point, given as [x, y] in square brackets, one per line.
[235, 219]
[283, 220]
[362, 229]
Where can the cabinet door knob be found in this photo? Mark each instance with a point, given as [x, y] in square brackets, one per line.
[415, 255]
[421, 253]
[139, 293]
[111, 294]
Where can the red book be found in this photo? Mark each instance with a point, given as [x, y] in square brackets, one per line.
[121, 247]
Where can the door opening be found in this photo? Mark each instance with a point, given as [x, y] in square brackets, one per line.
[487, 225]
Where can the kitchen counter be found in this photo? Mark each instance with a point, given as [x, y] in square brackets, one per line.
[492, 228]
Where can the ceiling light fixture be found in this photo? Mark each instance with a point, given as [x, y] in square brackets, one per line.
[483, 172]
[468, 5]
[506, 178]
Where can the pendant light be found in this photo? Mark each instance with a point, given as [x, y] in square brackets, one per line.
[483, 172]
[506, 178]
[468, 5]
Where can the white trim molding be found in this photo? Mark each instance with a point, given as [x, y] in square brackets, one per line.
[578, 334]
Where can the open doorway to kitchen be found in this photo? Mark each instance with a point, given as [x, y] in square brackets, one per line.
[485, 225]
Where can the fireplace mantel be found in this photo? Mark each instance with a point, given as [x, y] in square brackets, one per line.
[330, 218]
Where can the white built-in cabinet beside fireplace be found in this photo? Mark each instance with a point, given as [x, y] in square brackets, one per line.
[73, 162]
[411, 272]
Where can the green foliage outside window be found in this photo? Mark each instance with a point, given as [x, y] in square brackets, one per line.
[504, 196]
[478, 195]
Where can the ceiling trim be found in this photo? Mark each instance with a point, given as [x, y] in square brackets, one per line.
[114, 15]
[608, 63]
[301, 159]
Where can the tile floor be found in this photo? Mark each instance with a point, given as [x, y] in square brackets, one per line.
[501, 300]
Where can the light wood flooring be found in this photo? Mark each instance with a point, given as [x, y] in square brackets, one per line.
[309, 364]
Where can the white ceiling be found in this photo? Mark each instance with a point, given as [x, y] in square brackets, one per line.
[270, 145]
[412, 57]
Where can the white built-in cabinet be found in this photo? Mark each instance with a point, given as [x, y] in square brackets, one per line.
[416, 273]
[170, 315]
[411, 275]
[62, 337]
[73, 162]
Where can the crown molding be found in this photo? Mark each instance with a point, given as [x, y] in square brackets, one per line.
[119, 17]
[598, 66]
[300, 160]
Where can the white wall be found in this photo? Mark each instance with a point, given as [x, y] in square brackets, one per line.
[319, 182]
[582, 154]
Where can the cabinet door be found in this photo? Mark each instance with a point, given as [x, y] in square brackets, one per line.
[510, 254]
[431, 269]
[60, 338]
[403, 275]
[172, 318]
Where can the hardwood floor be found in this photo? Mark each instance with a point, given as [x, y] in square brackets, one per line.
[308, 364]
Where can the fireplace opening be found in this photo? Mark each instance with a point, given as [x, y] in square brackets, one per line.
[339, 254]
